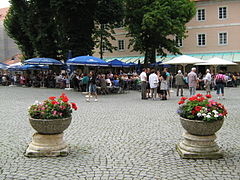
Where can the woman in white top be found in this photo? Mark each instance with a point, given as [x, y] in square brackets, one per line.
[153, 81]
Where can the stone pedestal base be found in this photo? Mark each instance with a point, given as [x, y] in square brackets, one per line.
[199, 147]
[47, 146]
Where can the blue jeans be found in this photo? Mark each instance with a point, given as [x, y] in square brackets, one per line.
[192, 91]
[92, 88]
[220, 87]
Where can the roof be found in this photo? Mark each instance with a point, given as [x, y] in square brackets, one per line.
[15, 59]
[3, 13]
[230, 56]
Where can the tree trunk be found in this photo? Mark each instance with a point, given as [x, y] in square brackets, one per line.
[150, 56]
[101, 42]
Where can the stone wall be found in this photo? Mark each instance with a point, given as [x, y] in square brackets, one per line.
[7, 46]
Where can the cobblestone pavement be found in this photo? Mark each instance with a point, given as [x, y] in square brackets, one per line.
[119, 137]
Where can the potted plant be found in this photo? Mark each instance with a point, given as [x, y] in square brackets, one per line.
[50, 118]
[201, 118]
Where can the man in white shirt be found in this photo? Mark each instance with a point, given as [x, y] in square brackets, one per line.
[143, 78]
[207, 81]
[153, 81]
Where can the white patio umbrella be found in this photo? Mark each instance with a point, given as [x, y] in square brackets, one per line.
[184, 60]
[216, 62]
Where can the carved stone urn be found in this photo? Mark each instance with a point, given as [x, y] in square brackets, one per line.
[199, 139]
[48, 140]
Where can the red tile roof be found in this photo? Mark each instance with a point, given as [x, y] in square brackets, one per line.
[15, 59]
[3, 13]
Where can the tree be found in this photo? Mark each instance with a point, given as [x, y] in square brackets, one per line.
[75, 25]
[152, 24]
[14, 25]
[104, 28]
[41, 28]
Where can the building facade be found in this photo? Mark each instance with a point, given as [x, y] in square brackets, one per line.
[8, 48]
[213, 31]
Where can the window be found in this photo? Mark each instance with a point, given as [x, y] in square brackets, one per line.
[179, 42]
[121, 45]
[201, 40]
[201, 14]
[222, 38]
[222, 12]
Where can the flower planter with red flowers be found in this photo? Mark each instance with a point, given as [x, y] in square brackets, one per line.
[50, 118]
[201, 118]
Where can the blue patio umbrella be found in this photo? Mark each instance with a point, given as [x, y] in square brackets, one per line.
[43, 61]
[156, 64]
[15, 68]
[3, 66]
[131, 64]
[117, 63]
[87, 61]
[34, 67]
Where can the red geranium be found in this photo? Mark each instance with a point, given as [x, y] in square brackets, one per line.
[193, 98]
[74, 106]
[65, 99]
[208, 96]
[181, 102]
[199, 95]
[52, 98]
[193, 112]
[200, 99]
[54, 102]
[183, 98]
[198, 108]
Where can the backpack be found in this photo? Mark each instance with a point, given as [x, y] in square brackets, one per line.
[220, 79]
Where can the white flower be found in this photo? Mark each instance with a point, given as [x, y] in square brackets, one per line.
[36, 103]
[215, 115]
[215, 112]
[203, 114]
[199, 114]
[208, 116]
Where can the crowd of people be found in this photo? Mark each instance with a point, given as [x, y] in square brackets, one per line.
[155, 82]
[152, 83]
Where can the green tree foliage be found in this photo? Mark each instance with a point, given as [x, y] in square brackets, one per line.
[50, 28]
[152, 24]
[14, 24]
[41, 28]
[75, 25]
[109, 13]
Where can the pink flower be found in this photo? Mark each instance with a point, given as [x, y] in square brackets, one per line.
[43, 109]
[54, 112]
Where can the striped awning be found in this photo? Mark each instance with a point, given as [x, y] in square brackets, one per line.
[230, 56]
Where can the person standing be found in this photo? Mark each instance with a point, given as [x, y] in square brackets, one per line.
[143, 78]
[192, 81]
[92, 86]
[220, 81]
[148, 85]
[165, 70]
[207, 81]
[163, 85]
[153, 81]
[179, 81]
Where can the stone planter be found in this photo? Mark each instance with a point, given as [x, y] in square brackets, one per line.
[199, 140]
[48, 140]
[201, 128]
[50, 126]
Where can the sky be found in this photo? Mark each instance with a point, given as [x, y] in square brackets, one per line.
[4, 3]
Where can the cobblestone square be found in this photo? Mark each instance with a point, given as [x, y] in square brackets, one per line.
[119, 137]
